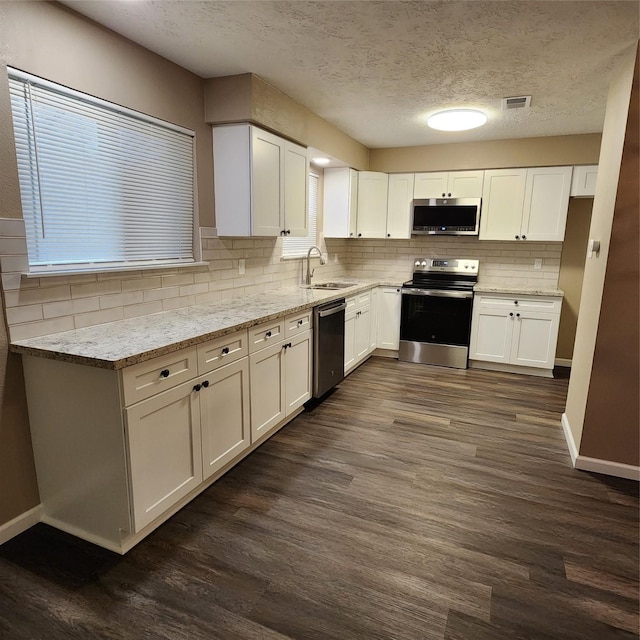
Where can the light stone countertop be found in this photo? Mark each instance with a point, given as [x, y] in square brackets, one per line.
[522, 290]
[119, 344]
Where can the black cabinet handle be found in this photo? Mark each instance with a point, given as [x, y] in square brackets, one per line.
[225, 351]
[511, 314]
[444, 194]
[524, 237]
[359, 235]
[517, 315]
[300, 322]
[164, 373]
[449, 194]
[388, 235]
[283, 232]
[197, 387]
[205, 384]
[268, 334]
[288, 231]
[515, 302]
[517, 237]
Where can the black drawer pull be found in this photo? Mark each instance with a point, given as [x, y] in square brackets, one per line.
[205, 384]
[164, 373]
[268, 334]
[225, 351]
[197, 387]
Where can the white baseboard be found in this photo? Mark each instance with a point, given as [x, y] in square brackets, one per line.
[607, 467]
[563, 362]
[19, 524]
[568, 436]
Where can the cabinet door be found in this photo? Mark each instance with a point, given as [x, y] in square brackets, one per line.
[546, 202]
[267, 183]
[465, 184]
[349, 340]
[340, 202]
[583, 181]
[389, 299]
[534, 339]
[491, 332]
[298, 371]
[502, 203]
[399, 205]
[296, 190]
[373, 333]
[224, 415]
[165, 456]
[362, 332]
[267, 389]
[430, 185]
[372, 204]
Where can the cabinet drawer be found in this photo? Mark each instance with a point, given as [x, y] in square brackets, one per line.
[363, 299]
[524, 302]
[145, 379]
[265, 334]
[224, 350]
[352, 303]
[297, 323]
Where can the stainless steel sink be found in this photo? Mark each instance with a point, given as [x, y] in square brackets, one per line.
[331, 285]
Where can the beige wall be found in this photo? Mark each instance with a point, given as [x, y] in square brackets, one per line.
[248, 97]
[611, 422]
[522, 152]
[604, 202]
[574, 252]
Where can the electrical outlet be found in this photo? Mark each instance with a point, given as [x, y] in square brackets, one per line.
[537, 263]
[241, 266]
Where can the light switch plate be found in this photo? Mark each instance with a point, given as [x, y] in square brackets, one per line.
[537, 263]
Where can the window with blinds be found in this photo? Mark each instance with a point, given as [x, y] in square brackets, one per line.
[102, 187]
[298, 247]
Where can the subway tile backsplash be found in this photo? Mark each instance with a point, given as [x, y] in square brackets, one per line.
[38, 306]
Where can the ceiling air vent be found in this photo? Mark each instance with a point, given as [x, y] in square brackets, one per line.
[516, 102]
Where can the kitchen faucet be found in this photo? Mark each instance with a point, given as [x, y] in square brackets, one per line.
[309, 269]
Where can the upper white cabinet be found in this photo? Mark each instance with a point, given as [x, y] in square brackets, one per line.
[449, 184]
[340, 202]
[583, 183]
[373, 189]
[399, 205]
[525, 204]
[260, 181]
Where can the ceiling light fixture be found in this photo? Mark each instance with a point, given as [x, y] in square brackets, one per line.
[321, 161]
[457, 119]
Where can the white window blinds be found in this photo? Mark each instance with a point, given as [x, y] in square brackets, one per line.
[101, 186]
[298, 247]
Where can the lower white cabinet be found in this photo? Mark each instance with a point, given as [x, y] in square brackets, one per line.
[280, 381]
[520, 330]
[358, 343]
[388, 318]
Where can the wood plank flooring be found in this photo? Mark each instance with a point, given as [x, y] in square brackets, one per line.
[415, 502]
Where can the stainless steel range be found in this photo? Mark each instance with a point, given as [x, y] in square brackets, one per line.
[435, 320]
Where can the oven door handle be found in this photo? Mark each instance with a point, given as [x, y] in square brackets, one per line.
[437, 293]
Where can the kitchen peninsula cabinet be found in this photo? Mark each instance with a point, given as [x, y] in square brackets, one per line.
[449, 184]
[525, 204]
[519, 330]
[261, 183]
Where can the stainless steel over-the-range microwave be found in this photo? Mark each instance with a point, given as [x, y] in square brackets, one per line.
[446, 216]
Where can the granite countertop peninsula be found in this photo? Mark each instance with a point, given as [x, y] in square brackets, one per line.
[119, 344]
[530, 290]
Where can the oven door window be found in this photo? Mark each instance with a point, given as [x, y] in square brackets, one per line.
[437, 320]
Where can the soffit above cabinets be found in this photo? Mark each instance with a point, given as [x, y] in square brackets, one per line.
[376, 69]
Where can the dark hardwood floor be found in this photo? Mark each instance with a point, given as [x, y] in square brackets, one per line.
[414, 503]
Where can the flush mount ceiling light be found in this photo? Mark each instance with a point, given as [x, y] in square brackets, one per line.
[457, 119]
[321, 161]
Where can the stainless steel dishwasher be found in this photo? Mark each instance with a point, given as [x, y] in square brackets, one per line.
[328, 346]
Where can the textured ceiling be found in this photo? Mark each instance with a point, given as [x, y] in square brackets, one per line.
[376, 69]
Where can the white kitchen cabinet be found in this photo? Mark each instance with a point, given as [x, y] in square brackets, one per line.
[224, 415]
[374, 319]
[358, 343]
[388, 318]
[449, 184]
[260, 182]
[399, 200]
[165, 456]
[340, 202]
[280, 379]
[518, 330]
[525, 204]
[583, 181]
[371, 219]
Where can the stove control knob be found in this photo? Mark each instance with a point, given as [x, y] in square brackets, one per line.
[423, 263]
[466, 266]
[417, 263]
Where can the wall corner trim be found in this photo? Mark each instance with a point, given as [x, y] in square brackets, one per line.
[20, 523]
[568, 436]
[608, 468]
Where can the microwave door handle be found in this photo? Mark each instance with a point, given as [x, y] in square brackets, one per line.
[437, 293]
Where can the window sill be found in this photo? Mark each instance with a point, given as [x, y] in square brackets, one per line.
[140, 267]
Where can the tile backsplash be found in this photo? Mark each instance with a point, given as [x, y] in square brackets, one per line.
[38, 306]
